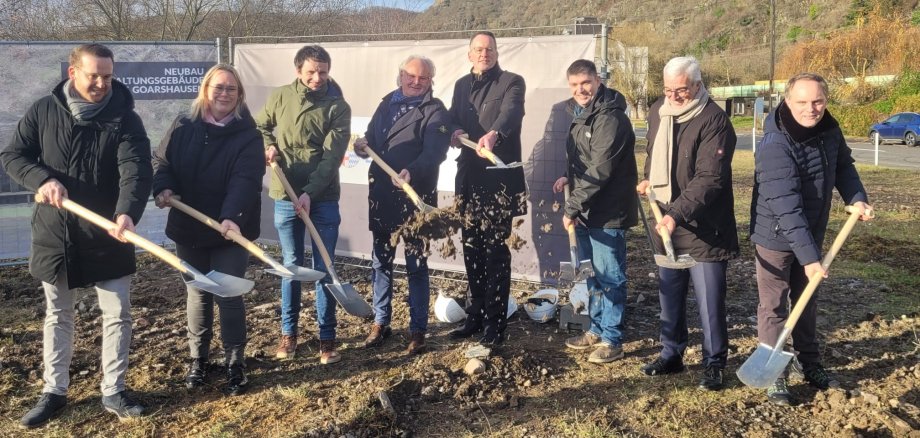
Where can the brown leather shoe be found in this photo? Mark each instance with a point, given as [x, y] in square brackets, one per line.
[287, 347]
[416, 343]
[377, 335]
[327, 353]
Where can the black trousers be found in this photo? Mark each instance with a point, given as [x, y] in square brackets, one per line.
[488, 270]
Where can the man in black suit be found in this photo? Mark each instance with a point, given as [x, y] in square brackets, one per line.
[488, 106]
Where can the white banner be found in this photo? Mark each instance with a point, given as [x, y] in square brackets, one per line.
[367, 71]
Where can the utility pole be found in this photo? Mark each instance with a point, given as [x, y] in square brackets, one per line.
[772, 50]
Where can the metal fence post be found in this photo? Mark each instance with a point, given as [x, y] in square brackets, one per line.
[877, 140]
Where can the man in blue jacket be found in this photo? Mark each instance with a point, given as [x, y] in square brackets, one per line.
[802, 158]
[410, 132]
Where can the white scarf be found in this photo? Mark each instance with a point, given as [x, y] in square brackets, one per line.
[663, 146]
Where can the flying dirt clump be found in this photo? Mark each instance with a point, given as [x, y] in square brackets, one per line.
[430, 227]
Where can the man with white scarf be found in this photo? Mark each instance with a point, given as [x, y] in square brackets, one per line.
[690, 147]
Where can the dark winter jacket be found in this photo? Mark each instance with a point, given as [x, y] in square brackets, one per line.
[418, 142]
[493, 101]
[702, 203]
[602, 164]
[104, 164]
[216, 170]
[794, 185]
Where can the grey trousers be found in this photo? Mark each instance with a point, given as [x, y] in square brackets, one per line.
[229, 259]
[114, 301]
[781, 279]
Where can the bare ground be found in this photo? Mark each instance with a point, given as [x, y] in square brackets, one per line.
[532, 387]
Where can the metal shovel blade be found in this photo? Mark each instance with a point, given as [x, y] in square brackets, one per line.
[347, 297]
[217, 283]
[683, 261]
[425, 208]
[501, 165]
[582, 271]
[764, 366]
[297, 273]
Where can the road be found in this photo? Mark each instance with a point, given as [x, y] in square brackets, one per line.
[889, 154]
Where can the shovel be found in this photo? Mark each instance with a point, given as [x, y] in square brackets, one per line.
[577, 269]
[767, 363]
[344, 293]
[217, 283]
[498, 163]
[670, 260]
[290, 271]
[422, 206]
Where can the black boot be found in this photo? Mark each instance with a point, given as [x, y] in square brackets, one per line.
[470, 327]
[236, 379]
[197, 373]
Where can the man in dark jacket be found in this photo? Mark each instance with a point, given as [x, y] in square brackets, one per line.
[488, 106]
[802, 157]
[690, 147]
[84, 142]
[601, 175]
[410, 132]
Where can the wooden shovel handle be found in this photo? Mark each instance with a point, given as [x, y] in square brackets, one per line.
[305, 216]
[485, 152]
[656, 210]
[389, 170]
[816, 279]
[130, 236]
[232, 234]
[571, 228]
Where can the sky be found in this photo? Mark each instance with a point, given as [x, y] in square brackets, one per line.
[412, 5]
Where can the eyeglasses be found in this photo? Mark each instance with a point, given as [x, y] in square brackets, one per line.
[95, 76]
[479, 50]
[682, 91]
[220, 89]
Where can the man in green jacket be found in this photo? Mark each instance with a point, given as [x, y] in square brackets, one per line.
[306, 126]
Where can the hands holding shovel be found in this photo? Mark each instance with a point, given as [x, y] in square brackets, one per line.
[400, 180]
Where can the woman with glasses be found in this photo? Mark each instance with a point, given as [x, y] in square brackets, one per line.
[213, 160]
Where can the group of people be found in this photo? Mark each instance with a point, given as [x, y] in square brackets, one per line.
[84, 142]
[802, 158]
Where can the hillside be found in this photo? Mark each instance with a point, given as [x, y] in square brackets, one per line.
[731, 37]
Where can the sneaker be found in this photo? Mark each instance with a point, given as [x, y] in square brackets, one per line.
[815, 374]
[327, 353]
[606, 353]
[122, 406]
[778, 393]
[46, 408]
[197, 373]
[416, 343]
[583, 342]
[377, 335]
[664, 366]
[712, 379]
[287, 347]
[236, 379]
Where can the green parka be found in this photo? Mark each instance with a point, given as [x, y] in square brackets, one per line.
[311, 130]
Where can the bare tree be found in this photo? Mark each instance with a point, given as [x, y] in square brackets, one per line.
[630, 76]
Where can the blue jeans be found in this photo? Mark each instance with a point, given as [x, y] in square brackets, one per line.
[417, 273]
[606, 247]
[291, 233]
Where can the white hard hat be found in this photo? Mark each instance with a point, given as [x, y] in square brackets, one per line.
[541, 306]
[512, 307]
[447, 309]
[578, 296]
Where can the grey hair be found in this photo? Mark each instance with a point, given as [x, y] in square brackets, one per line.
[429, 64]
[684, 65]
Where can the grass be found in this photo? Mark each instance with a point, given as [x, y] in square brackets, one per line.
[743, 122]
